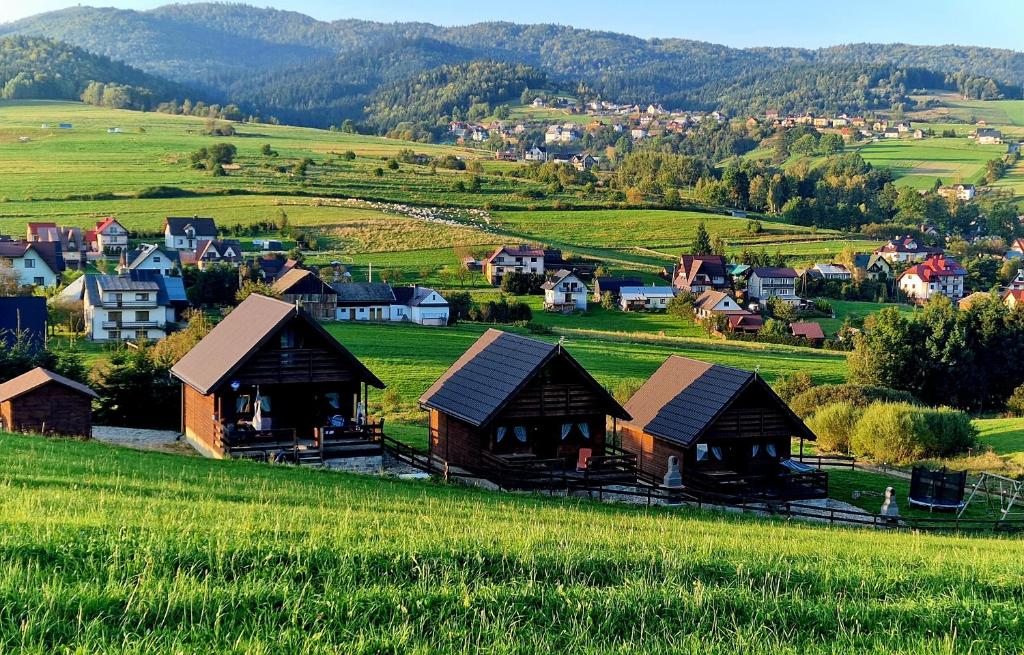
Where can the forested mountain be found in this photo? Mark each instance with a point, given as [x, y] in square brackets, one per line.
[314, 72]
[42, 68]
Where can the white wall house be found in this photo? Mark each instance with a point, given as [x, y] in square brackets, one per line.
[519, 259]
[364, 301]
[937, 275]
[565, 292]
[186, 233]
[420, 305]
[645, 298]
[110, 235]
[30, 263]
[134, 305]
[149, 257]
[773, 282]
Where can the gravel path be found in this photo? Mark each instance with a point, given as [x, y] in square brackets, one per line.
[162, 440]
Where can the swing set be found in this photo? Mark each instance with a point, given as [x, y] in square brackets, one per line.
[993, 488]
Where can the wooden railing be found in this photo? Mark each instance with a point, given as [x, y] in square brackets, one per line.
[829, 461]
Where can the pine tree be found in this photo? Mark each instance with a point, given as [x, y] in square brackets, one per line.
[701, 242]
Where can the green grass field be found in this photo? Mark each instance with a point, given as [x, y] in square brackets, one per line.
[918, 163]
[110, 550]
[857, 311]
[1004, 435]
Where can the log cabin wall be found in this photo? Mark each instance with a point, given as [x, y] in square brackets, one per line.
[200, 427]
[306, 358]
[651, 452]
[559, 390]
[455, 441]
[51, 408]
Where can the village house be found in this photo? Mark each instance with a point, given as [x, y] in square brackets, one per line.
[138, 304]
[536, 153]
[268, 380]
[565, 292]
[988, 136]
[638, 133]
[147, 257]
[522, 413]
[936, 275]
[583, 162]
[43, 402]
[830, 272]
[212, 252]
[907, 249]
[773, 282]
[33, 263]
[645, 298]
[965, 192]
[186, 233]
[364, 301]
[699, 273]
[710, 304]
[873, 266]
[305, 289]
[420, 305]
[808, 330]
[562, 134]
[108, 236]
[268, 267]
[1016, 250]
[1017, 283]
[1013, 298]
[729, 432]
[23, 319]
[507, 259]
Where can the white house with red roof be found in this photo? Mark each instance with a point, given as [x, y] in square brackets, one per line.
[937, 275]
[108, 235]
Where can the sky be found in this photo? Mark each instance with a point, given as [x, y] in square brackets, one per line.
[741, 23]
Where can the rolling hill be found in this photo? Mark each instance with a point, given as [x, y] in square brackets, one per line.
[317, 73]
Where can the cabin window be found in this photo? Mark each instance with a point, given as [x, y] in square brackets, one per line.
[243, 405]
[707, 454]
[520, 432]
[499, 434]
[770, 448]
[287, 339]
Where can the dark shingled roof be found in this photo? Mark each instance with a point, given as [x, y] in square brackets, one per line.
[230, 344]
[490, 374]
[685, 396]
[364, 292]
[36, 378]
[204, 227]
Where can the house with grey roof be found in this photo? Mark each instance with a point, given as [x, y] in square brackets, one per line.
[420, 305]
[135, 305]
[148, 257]
[364, 301]
[186, 233]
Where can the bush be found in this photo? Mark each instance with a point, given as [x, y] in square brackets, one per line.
[793, 385]
[860, 395]
[1015, 404]
[901, 433]
[834, 424]
[163, 191]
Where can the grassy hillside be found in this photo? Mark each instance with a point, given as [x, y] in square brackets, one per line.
[918, 163]
[118, 551]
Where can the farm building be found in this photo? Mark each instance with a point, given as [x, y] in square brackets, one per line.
[517, 410]
[808, 330]
[645, 298]
[305, 288]
[269, 378]
[364, 301]
[46, 403]
[730, 432]
[613, 285]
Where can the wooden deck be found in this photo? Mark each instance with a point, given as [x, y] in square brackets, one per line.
[286, 445]
[529, 472]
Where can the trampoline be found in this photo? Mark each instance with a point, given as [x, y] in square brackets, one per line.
[941, 490]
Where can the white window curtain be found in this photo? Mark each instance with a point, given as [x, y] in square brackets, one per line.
[754, 450]
[500, 433]
[566, 428]
[771, 449]
[520, 431]
[584, 430]
[702, 452]
[717, 452]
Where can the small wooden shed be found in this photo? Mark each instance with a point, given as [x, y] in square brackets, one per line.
[44, 402]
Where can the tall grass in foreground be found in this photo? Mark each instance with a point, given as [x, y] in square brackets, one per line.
[114, 551]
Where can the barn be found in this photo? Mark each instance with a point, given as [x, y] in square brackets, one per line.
[46, 403]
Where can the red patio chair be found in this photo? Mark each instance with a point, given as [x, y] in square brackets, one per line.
[581, 462]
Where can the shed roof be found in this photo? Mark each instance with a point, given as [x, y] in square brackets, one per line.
[300, 280]
[685, 396]
[807, 330]
[36, 378]
[230, 344]
[491, 373]
[355, 292]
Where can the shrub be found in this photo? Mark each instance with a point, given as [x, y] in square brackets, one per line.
[538, 328]
[902, 433]
[889, 432]
[163, 191]
[834, 424]
[860, 395]
[793, 385]
[1015, 405]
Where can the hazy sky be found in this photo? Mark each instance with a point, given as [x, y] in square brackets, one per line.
[996, 23]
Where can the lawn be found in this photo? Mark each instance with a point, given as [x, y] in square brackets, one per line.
[1004, 435]
[856, 311]
[118, 551]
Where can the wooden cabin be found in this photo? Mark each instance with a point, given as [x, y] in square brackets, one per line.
[299, 286]
[522, 412]
[46, 403]
[730, 432]
[269, 379]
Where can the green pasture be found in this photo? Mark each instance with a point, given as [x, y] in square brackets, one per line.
[856, 311]
[919, 163]
[110, 550]
[1004, 435]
